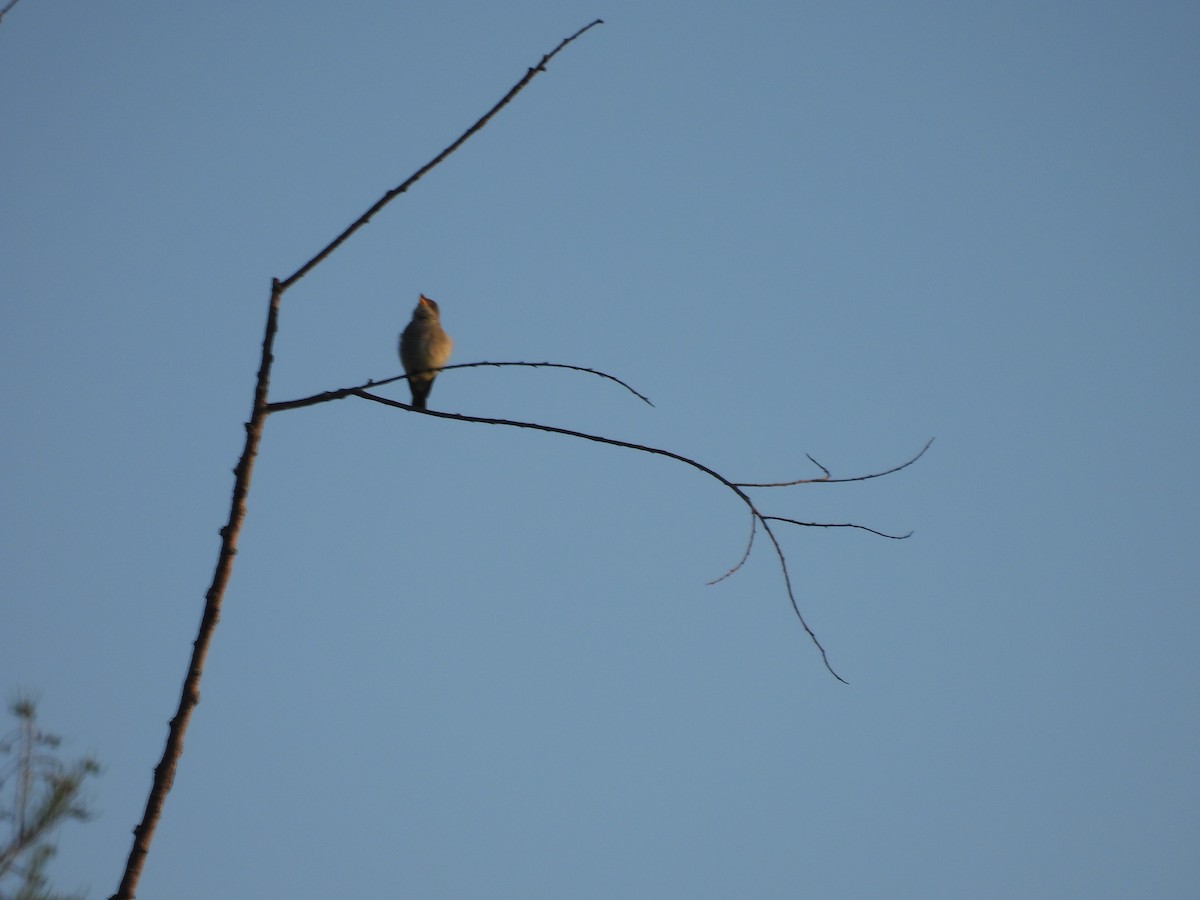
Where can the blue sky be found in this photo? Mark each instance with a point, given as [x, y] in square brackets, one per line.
[465, 661]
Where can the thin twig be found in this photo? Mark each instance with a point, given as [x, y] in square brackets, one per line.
[825, 479]
[745, 556]
[787, 582]
[754, 523]
[338, 394]
[884, 534]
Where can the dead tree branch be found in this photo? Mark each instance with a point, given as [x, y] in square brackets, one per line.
[757, 517]
[164, 772]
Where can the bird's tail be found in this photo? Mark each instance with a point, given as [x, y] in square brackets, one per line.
[420, 390]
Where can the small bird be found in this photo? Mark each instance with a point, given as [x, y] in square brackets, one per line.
[424, 348]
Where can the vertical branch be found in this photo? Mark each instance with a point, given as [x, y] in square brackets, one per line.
[164, 772]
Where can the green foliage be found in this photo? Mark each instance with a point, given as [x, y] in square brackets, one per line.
[38, 793]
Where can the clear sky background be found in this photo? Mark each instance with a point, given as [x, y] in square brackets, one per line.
[466, 661]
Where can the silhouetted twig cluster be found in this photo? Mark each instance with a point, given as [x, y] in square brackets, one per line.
[38, 793]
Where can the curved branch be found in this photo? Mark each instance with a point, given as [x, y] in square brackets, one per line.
[642, 448]
[420, 173]
[745, 556]
[825, 479]
[554, 429]
[339, 394]
[550, 365]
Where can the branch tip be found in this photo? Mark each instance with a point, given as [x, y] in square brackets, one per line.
[826, 479]
[421, 172]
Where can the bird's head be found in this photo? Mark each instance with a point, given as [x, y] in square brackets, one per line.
[427, 308]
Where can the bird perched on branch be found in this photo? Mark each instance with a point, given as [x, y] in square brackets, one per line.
[424, 348]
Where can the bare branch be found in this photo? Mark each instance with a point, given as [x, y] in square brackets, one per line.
[339, 394]
[787, 582]
[421, 172]
[884, 534]
[642, 448]
[754, 524]
[825, 479]
[745, 556]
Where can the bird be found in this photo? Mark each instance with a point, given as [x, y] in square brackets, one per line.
[424, 348]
